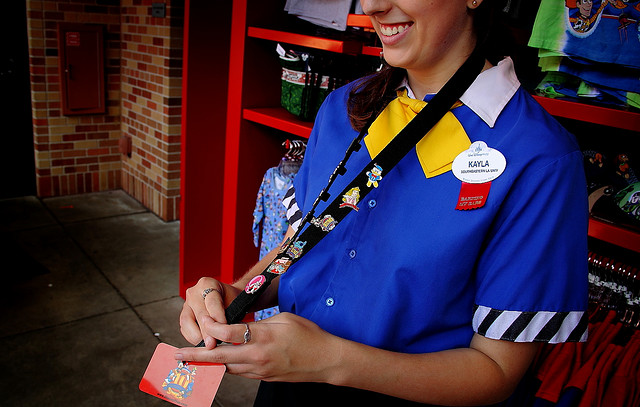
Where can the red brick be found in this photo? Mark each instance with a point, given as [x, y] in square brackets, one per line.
[98, 151]
[61, 146]
[87, 160]
[62, 163]
[109, 158]
[74, 137]
[44, 187]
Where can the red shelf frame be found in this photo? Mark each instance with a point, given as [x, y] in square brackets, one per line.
[617, 235]
[621, 119]
[340, 47]
[278, 118]
[359, 20]
[372, 51]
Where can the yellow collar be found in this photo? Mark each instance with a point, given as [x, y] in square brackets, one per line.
[436, 151]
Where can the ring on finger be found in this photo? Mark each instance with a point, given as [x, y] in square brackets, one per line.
[247, 334]
[207, 291]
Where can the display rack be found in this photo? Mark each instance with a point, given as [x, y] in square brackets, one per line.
[278, 118]
[621, 119]
[255, 126]
[325, 44]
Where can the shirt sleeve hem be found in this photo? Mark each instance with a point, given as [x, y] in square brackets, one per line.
[521, 326]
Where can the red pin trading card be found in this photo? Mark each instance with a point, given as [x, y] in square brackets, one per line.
[192, 384]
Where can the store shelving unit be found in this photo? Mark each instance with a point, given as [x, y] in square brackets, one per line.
[255, 126]
[621, 119]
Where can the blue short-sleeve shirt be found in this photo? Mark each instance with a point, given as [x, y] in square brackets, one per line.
[408, 272]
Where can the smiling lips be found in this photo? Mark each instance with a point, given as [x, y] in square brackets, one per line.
[393, 29]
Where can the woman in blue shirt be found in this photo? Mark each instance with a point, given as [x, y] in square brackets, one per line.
[415, 298]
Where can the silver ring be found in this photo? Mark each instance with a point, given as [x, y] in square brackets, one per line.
[207, 291]
[247, 334]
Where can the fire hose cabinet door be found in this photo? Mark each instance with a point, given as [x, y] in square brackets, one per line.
[81, 56]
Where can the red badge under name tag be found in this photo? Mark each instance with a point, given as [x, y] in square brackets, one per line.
[192, 384]
[473, 196]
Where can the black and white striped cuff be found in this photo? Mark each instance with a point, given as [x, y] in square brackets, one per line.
[294, 214]
[541, 326]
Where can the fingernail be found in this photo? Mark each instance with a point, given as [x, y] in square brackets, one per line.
[178, 356]
[208, 342]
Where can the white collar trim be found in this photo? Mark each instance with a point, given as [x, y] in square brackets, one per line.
[489, 93]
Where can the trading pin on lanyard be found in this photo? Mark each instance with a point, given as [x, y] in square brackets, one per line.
[476, 168]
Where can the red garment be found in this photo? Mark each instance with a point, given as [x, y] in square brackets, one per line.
[556, 364]
[581, 376]
[589, 397]
[621, 387]
[608, 371]
[599, 330]
[557, 369]
[635, 366]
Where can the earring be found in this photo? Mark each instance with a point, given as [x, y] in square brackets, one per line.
[474, 2]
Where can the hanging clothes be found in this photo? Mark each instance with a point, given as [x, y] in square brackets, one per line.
[604, 371]
[270, 216]
[270, 222]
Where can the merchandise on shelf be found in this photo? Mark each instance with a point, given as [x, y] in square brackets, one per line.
[325, 13]
[596, 42]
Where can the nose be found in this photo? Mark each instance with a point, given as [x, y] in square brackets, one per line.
[372, 7]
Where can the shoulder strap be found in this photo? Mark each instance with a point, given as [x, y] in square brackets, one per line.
[320, 226]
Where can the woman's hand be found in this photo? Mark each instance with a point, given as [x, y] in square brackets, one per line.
[198, 306]
[285, 347]
[203, 302]
[290, 348]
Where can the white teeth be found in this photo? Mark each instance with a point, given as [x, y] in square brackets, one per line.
[389, 31]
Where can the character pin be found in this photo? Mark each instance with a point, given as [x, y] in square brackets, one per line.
[255, 284]
[351, 198]
[327, 223]
[375, 176]
[284, 246]
[279, 266]
[295, 250]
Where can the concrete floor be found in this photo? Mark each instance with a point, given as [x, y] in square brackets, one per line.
[90, 288]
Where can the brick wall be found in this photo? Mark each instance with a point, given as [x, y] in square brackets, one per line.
[73, 154]
[151, 104]
[143, 59]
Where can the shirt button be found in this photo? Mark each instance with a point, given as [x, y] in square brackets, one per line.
[372, 203]
[330, 302]
[352, 253]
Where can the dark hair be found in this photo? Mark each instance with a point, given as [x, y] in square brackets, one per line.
[371, 94]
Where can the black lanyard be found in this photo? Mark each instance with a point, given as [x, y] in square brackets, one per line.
[318, 227]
